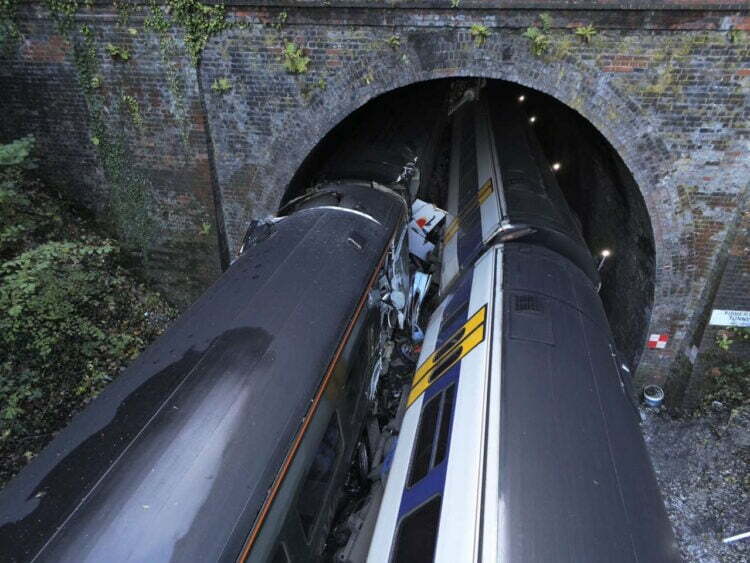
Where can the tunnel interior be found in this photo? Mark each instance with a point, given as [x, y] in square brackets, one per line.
[411, 122]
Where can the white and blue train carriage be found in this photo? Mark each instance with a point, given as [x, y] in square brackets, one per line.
[519, 442]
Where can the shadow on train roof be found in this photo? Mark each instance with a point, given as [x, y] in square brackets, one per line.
[379, 138]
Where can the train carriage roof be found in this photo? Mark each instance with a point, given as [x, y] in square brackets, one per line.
[174, 459]
[543, 459]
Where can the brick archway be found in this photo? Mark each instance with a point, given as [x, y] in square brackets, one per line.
[638, 129]
[613, 114]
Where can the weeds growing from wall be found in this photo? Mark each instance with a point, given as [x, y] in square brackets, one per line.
[294, 60]
[479, 33]
[9, 32]
[539, 37]
[129, 202]
[171, 54]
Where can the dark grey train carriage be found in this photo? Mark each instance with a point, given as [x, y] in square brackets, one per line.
[229, 437]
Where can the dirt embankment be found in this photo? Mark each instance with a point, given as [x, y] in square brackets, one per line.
[703, 467]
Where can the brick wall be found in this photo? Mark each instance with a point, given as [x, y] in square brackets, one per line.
[667, 87]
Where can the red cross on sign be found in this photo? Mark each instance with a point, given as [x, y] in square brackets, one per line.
[658, 341]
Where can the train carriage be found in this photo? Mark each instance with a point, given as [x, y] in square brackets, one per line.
[520, 442]
[229, 437]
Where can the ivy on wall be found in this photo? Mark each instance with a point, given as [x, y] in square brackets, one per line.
[181, 26]
[9, 33]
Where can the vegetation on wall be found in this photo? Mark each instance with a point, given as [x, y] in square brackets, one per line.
[9, 32]
[157, 22]
[586, 32]
[118, 53]
[294, 59]
[539, 37]
[71, 316]
[479, 33]
[129, 206]
[198, 22]
[221, 85]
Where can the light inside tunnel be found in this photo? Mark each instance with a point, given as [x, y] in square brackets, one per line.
[594, 180]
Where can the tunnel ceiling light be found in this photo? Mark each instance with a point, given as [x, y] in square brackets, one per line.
[604, 254]
[532, 119]
[521, 98]
[556, 166]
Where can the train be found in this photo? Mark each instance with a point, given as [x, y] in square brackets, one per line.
[520, 440]
[476, 394]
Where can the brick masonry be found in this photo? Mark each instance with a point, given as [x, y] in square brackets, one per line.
[667, 87]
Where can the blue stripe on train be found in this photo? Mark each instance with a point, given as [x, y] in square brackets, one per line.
[455, 314]
[469, 236]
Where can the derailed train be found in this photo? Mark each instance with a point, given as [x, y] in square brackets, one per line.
[230, 438]
[519, 441]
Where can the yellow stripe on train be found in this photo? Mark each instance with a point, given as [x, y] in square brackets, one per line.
[461, 342]
[479, 199]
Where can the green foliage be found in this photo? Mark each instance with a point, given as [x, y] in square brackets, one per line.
[539, 40]
[586, 32]
[116, 52]
[64, 12]
[723, 341]
[539, 37]
[726, 337]
[735, 35]
[294, 59]
[205, 229]
[70, 315]
[199, 22]
[26, 215]
[9, 33]
[156, 20]
[134, 109]
[455, 3]
[728, 382]
[16, 157]
[170, 52]
[280, 21]
[480, 33]
[129, 194]
[125, 9]
[394, 42]
[221, 85]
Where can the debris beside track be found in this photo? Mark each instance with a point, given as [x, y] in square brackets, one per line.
[703, 467]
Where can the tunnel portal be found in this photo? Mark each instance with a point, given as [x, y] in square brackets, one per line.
[595, 181]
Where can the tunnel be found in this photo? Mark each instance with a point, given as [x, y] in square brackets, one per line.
[412, 122]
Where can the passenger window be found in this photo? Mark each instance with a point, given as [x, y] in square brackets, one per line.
[433, 435]
[420, 464]
[417, 534]
[445, 426]
[315, 486]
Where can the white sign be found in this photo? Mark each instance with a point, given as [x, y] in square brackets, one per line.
[723, 317]
[425, 217]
